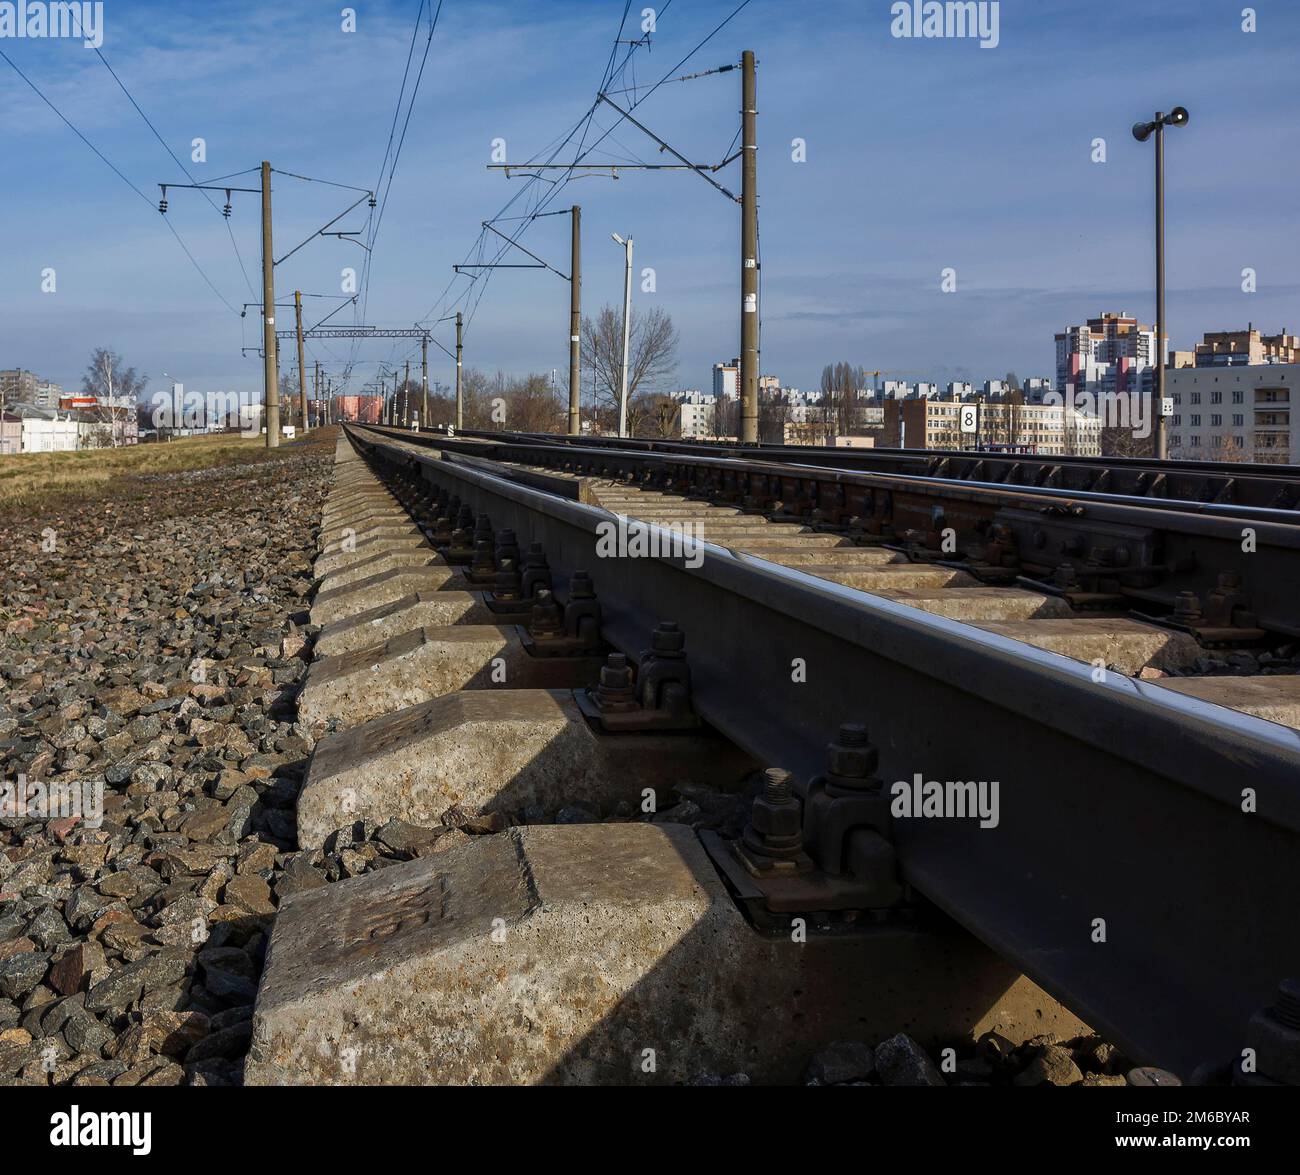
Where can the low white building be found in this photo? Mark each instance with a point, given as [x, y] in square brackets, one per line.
[46, 430]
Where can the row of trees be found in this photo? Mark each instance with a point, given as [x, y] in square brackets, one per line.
[538, 403]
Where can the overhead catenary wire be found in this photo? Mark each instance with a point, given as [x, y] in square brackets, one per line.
[176, 159]
[584, 151]
[401, 142]
[118, 172]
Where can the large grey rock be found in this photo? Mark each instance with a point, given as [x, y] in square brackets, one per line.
[21, 972]
[901, 1061]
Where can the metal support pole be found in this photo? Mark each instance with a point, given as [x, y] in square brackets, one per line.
[270, 368]
[424, 380]
[460, 402]
[302, 369]
[627, 335]
[1162, 433]
[406, 397]
[575, 325]
[749, 255]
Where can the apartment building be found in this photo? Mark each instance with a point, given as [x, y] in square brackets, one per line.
[1050, 429]
[726, 379]
[1241, 348]
[48, 394]
[18, 386]
[696, 414]
[1233, 412]
[1113, 354]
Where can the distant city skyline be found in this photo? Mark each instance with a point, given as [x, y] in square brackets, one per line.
[922, 155]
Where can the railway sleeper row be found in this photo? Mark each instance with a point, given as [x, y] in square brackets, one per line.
[450, 677]
[448, 674]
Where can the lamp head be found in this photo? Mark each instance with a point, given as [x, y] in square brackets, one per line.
[1178, 116]
[617, 239]
[1142, 131]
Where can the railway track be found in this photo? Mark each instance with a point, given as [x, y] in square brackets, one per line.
[1256, 485]
[960, 725]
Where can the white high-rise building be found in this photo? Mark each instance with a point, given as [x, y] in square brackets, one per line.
[726, 380]
[1112, 354]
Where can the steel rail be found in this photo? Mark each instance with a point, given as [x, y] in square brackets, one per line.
[756, 461]
[1127, 874]
[1248, 483]
[1193, 542]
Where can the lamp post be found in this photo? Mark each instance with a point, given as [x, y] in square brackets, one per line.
[627, 328]
[1141, 132]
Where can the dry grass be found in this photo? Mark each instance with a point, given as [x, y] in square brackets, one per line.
[37, 478]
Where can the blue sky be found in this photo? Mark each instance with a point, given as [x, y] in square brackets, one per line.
[921, 155]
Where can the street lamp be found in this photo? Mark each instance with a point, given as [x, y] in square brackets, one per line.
[1142, 132]
[627, 328]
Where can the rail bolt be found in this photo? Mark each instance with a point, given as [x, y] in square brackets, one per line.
[616, 693]
[775, 826]
[547, 618]
[668, 640]
[1187, 607]
[852, 756]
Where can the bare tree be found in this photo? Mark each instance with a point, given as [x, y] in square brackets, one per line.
[477, 393]
[840, 383]
[289, 399]
[652, 358]
[773, 414]
[532, 405]
[658, 416]
[117, 390]
[1121, 442]
[1230, 450]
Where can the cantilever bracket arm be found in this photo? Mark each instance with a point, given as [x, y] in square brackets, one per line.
[695, 167]
[511, 241]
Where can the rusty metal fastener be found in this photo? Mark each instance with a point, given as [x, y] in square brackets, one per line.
[616, 694]
[775, 827]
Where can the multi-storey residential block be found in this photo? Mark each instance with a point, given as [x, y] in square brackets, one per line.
[697, 415]
[48, 394]
[1039, 428]
[1113, 354]
[726, 379]
[1237, 348]
[18, 386]
[1234, 412]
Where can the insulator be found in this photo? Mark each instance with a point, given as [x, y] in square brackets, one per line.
[162, 206]
[226, 210]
